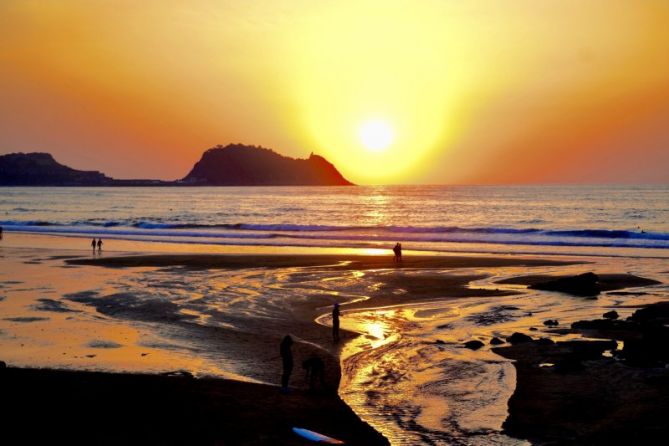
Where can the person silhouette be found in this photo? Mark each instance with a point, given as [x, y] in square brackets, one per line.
[399, 252]
[335, 322]
[287, 360]
[315, 370]
[99, 244]
[93, 244]
[396, 251]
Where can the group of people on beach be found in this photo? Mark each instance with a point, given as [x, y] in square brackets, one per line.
[313, 366]
[97, 244]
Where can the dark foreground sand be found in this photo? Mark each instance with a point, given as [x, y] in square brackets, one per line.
[67, 407]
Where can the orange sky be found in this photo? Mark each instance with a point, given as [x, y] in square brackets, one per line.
[474, 91]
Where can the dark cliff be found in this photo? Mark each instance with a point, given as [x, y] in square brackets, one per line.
[233, 165]
[40, 169]
[240, 165]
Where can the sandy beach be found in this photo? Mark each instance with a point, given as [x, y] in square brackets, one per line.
[218, 318]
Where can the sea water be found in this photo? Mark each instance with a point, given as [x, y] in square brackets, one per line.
[557, 219]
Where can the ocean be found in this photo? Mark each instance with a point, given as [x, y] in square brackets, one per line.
[546, 219]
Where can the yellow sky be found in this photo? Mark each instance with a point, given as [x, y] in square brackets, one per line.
[474, 91]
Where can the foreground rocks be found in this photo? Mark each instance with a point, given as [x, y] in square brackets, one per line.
[518, 338]
[581, 398]
[645, 335]
[473, 345]
[584, 285]
[590, 392]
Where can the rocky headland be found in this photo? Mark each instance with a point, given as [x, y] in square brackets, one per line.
[232, 165]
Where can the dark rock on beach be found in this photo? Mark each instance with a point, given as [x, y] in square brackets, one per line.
[610, 315]
[656, 314]
[581, 401]
[551, 323]
[518, 338]
[582, 285]
[645, 334]
[474, 345]
[588, 284]
[604, 324]
[496, 341]
[581, 395]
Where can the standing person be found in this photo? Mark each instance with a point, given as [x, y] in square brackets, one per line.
[99, 244]
[93, 244]
[287, 360]
[399, 252]
[335, 323]
[396, 251]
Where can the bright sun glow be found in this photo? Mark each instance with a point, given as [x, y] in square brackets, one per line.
[376, 135]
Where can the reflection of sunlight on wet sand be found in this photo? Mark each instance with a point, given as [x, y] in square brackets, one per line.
[397, 376]
[373, 251]
[376, 329]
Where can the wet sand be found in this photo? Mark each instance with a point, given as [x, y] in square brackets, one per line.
[336, 261]
[67, 407]
[265, 296]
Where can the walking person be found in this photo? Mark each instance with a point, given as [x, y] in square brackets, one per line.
[396, 251]
[335, 323]
[93, 244]
[399, 252]
[99, 244]
[287, 360]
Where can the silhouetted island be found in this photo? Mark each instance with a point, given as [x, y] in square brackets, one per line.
[40, 169]
[240, 165]
[232, 165]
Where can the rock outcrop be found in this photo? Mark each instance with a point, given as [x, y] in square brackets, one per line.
[232, 165]
[41, 169]
[582, 285]
[240, 165]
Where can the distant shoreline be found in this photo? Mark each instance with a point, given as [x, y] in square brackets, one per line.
[232, 165]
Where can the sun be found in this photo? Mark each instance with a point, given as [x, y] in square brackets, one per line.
[376, 135]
